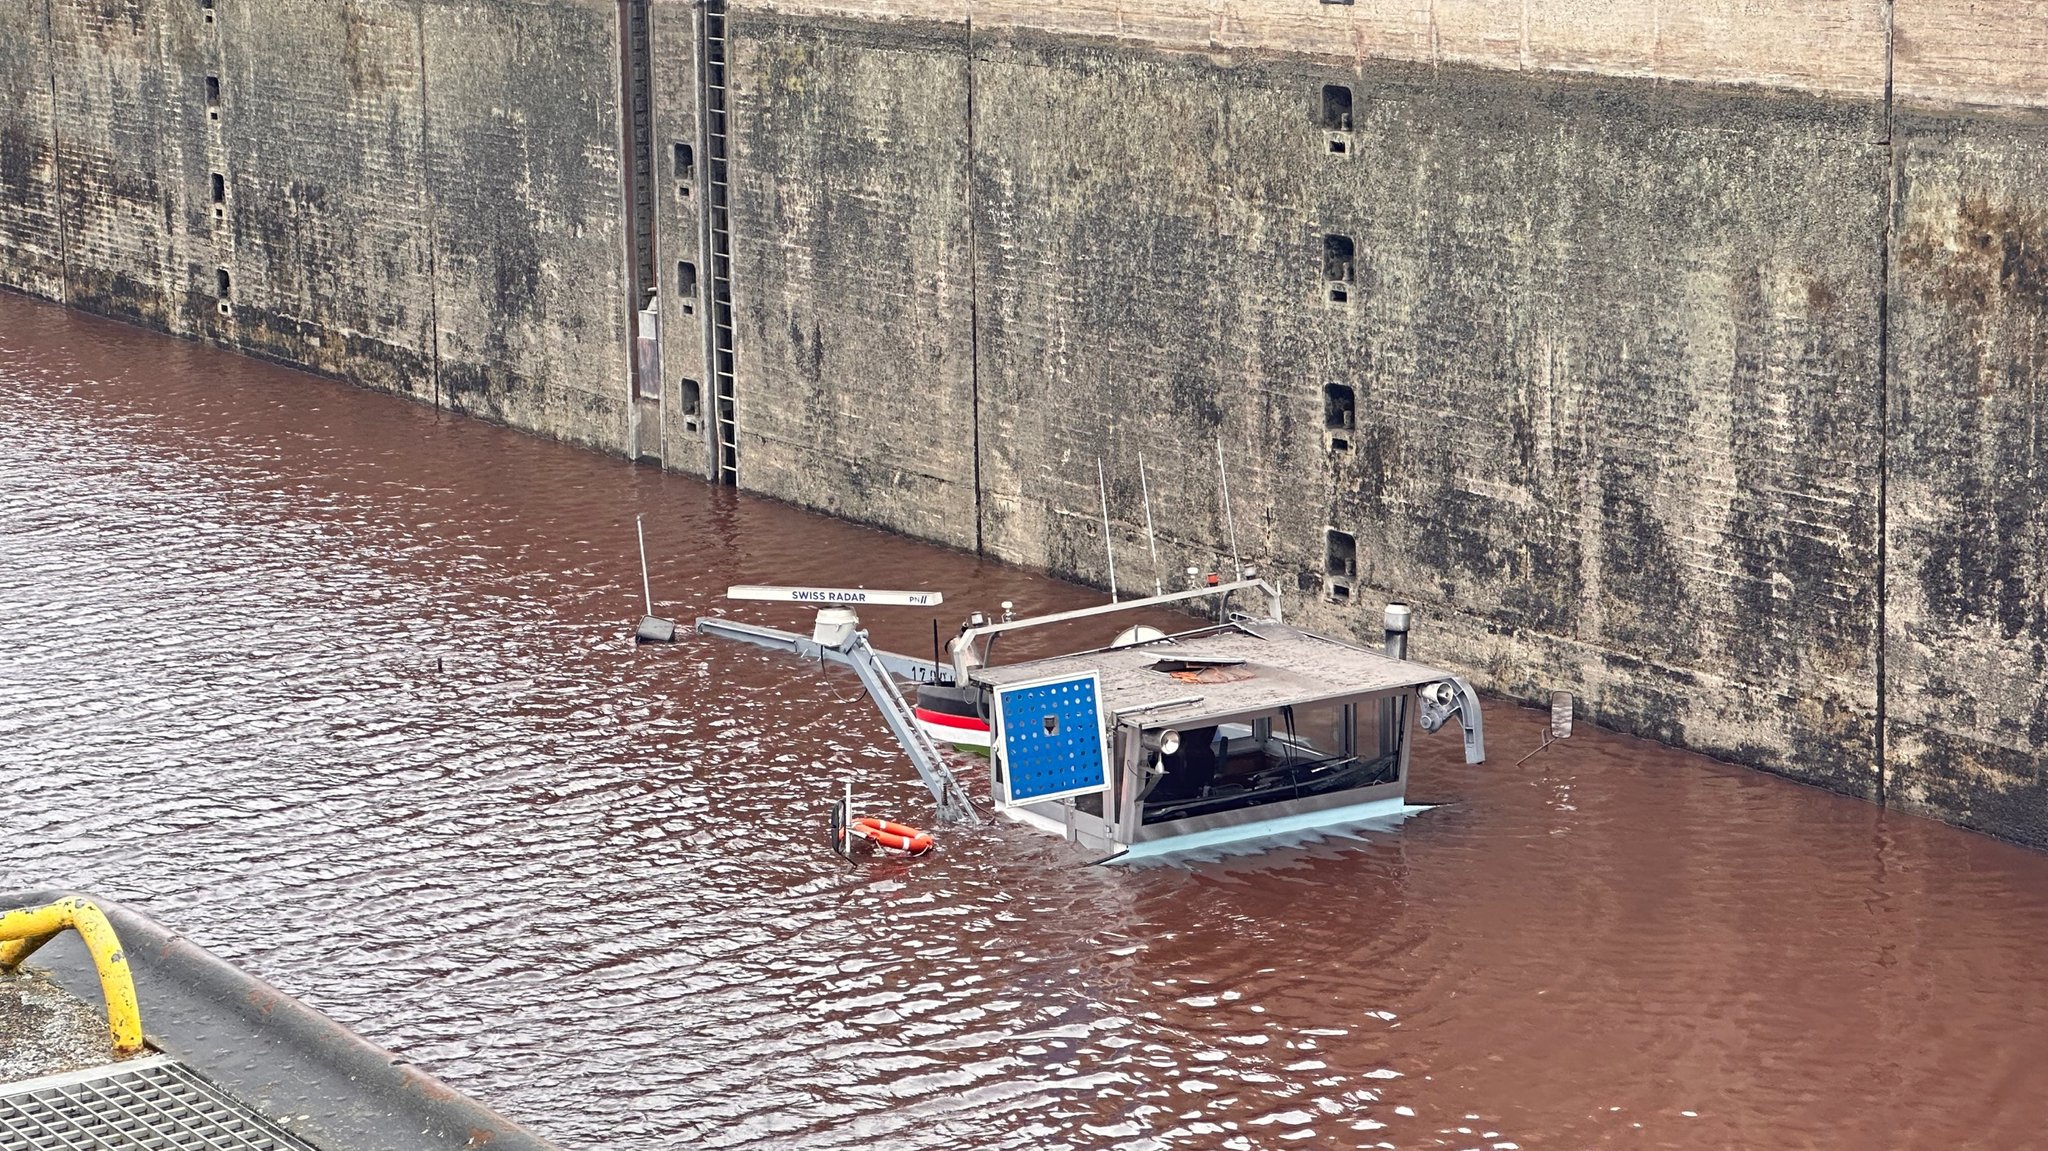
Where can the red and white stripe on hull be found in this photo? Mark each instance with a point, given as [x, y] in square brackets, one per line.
[946, 727]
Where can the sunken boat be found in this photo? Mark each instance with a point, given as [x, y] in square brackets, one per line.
[1238, 728]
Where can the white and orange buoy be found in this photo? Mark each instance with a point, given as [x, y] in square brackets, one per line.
[895, 836]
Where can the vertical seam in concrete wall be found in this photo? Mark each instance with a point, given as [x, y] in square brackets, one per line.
[644, 113]
[57, 156]
[224, 243]
[419, 12]
[629, 149]
[1889, 203]
[973, 288]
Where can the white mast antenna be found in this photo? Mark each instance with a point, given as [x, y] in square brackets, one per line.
[1102, 490]
[1151, 540]
[1236, 567]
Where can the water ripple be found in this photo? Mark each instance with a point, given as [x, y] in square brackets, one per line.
[276, 644]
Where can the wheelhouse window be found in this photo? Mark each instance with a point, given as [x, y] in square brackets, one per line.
[1297, 752]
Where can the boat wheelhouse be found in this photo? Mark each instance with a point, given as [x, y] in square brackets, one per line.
[1231, 729]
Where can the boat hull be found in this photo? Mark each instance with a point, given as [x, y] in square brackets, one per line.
[951, 715]
[962, 731]
[1247, 831]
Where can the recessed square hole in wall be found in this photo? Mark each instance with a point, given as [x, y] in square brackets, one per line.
[220, 188]
[1336, 108]
[683, 192]
[207, 7]
[1340, 415]
[213, 97]
[686, 286]
[685, 161]
[1338, 267]
[1340, 564]
[1336, 118]
[689, 396]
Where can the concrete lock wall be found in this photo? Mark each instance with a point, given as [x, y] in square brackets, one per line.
[1687, 356]
[420, 195]
[1684, 356]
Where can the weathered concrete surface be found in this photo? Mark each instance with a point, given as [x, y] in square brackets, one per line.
[1597, 334]
[523, 143]
[45, 1030]
[1971, 52]
[1966, 654]
[421, 195]
[126, 123]
[31, 249]
[679, 198]
[852, 255]
[326, 231]
[1834, 46]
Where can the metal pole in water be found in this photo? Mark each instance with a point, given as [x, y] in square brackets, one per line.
[1102, 490]
[1236, 568]
[646, 588]
[1151, 540]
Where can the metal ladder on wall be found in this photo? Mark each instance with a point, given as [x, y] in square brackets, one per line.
[639, 53]
[716, 199]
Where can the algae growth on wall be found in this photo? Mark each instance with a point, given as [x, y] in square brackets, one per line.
[419, 195]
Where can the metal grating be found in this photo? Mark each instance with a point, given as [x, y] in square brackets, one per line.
[153, 1104]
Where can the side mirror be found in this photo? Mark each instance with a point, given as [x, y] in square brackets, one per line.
[1448, 697]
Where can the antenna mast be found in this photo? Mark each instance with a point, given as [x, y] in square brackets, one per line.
[1102, 490]
[646, 588]
[1151, 540]
[1236, 567]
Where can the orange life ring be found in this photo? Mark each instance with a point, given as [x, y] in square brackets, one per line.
[894, 835]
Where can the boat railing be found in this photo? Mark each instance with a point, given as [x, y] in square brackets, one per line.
[964, 645]
[24, 930]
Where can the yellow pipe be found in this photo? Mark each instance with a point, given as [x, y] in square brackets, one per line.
[21, 932]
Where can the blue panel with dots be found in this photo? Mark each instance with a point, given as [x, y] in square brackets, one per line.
[1051, 736]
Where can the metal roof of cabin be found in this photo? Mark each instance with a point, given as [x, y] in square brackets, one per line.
[1279, 665]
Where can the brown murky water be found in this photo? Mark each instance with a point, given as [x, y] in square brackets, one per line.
[345, 689]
